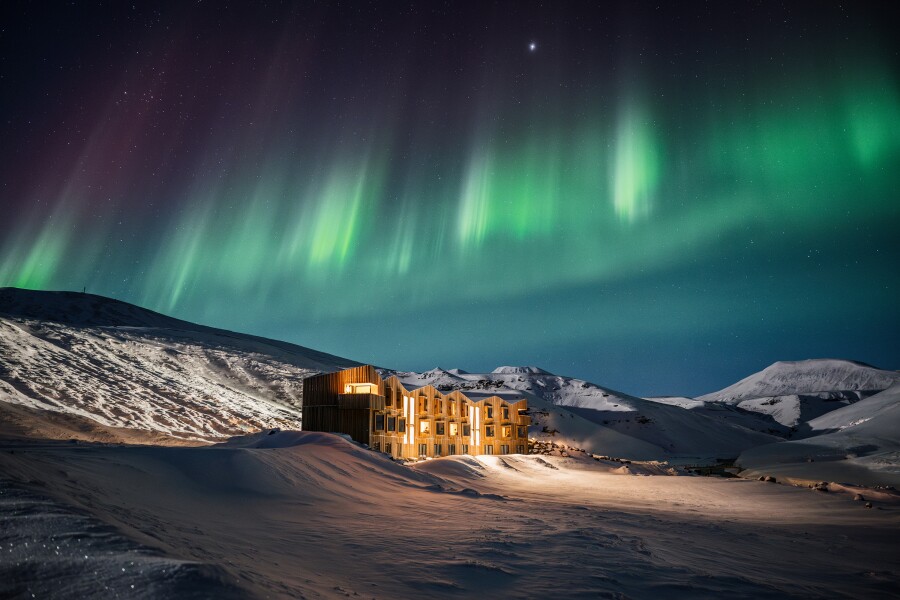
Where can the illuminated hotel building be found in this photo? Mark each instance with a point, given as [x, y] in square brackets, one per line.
[415, 423]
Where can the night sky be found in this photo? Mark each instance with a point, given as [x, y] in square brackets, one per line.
[661, 199]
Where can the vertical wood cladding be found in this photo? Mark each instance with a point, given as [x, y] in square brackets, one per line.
[420, 423]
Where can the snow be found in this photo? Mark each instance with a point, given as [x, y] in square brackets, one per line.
[313, 515]
[148, 372]
[50, 549]
[857, 444]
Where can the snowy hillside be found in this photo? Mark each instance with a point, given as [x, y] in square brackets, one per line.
[609, 422]
[860, 444]
[116, 365]
[794, 392]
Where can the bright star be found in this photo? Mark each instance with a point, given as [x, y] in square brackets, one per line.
[532, 47]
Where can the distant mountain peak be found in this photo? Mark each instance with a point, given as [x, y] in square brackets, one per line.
[530, 370]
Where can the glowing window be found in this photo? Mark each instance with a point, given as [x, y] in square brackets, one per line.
[360, 388]
[507, 431]
[425, 427]
[454, 428]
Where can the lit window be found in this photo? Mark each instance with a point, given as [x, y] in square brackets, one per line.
[361, 388]
[425, 427]
[507, 431]
[454, 428]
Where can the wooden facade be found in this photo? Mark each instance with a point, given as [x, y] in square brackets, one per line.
[416, 423]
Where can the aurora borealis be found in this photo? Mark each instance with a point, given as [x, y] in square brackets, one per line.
[659, 199]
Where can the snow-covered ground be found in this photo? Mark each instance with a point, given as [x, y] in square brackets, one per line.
[51, 549]
[312, 515]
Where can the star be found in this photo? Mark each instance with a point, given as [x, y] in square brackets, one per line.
[532, 46]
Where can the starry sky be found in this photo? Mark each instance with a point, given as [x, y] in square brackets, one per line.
[660, 198]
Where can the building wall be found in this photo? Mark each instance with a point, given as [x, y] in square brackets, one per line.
[411, 424]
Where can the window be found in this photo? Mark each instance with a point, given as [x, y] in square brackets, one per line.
[520, 449]
[392, 423]
[467, 429]
[453, 410]
[488, 449]
[423, 404]
[439, 429]
[379, 422]
[451, 449]
[438, 406]
[489, 410]
[388, 396]
[523, 431]
[387, 448]
[505, 411]
[506, 430]
[376, 446]
[437, 449]
[360, 388]
[425, 427]
[454, 428]
[489, 431]
[401, 425]
[465, 448]
[423, 449]
[504, 448]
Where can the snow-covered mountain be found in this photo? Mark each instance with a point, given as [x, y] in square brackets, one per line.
[79, 365]
[859, 443]
[794, 392]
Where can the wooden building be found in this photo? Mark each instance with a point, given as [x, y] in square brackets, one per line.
[413, 423]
